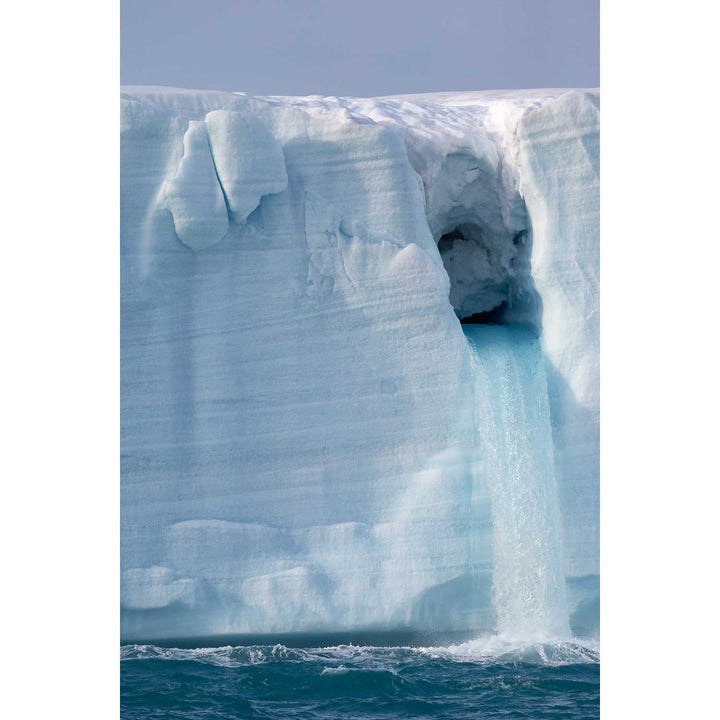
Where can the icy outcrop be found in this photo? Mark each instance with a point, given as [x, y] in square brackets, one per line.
[194, 196]
[299, 436]
[248, 159]
[230, 160]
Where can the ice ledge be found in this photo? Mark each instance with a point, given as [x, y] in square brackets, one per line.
[230, 161]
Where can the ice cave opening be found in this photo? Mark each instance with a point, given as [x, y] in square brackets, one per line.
[489, 317]
[494, 298]
[490, 277]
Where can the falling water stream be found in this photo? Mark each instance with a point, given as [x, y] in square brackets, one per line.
[515, 443]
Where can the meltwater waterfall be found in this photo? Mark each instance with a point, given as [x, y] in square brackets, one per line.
[515, 443]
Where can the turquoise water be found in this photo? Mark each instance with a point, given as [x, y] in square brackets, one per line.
[471, 680]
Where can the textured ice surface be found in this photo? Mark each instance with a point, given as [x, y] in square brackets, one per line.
[299, 437]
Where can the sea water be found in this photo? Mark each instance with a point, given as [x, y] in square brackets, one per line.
[478, 679]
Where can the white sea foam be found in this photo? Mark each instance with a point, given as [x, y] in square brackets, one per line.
[497, 649]
[485, 651]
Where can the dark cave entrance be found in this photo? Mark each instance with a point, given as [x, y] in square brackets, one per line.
[490, 275]
[489, 317]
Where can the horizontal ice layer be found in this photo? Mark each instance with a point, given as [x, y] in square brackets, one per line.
[296, 396]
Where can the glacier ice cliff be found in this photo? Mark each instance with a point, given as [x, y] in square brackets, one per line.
[310, 440]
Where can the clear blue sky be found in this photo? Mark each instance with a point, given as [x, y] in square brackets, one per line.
[359, 47]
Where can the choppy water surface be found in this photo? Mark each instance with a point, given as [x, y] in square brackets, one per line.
[477, 679]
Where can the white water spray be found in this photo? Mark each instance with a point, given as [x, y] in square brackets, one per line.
[515, 442]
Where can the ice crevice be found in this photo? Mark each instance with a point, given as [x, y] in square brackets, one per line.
[482, 227]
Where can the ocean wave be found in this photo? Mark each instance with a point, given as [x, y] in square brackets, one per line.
[482, 651]
[500, 651]
[227, 656]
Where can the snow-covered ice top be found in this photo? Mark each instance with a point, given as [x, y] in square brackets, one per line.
[295, 380]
